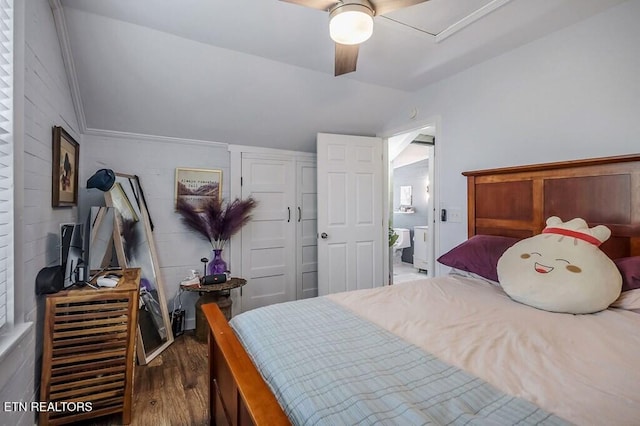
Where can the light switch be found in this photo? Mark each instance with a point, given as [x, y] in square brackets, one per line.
[454, 215]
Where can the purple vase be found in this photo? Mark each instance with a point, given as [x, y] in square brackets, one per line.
[217, 265]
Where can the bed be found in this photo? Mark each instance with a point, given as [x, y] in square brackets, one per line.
[453, 349]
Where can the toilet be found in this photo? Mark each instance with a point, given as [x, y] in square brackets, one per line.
[403, 241]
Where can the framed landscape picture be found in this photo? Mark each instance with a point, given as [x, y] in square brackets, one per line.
[198, 185]
[66, 154]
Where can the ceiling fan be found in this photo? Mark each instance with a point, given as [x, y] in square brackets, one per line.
[351, 23]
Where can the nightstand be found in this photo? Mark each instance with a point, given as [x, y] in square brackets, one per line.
[213, 293]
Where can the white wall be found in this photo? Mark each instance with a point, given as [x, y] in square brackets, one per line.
[47, 102]
[573, 94]
[154, 161]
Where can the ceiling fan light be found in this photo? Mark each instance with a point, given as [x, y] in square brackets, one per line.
[351, 24]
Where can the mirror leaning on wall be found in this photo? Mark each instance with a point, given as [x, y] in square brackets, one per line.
[127, 219]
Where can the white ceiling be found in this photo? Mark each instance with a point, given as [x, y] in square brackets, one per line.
[260, 72]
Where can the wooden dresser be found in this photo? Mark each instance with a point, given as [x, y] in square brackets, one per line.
[89, 351]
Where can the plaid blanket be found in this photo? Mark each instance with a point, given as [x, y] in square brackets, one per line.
[327, 366]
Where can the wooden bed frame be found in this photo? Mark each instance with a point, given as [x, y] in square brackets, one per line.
[511, 201]
[516, 201]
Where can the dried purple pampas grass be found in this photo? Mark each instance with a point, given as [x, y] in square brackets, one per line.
[216, 223]
[235, 215]
[192, 219]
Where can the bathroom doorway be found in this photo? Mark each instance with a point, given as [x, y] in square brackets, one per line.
[411, 201]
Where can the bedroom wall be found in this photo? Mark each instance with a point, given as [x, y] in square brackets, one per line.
[47, 102]
[573, 94]
[155, 160]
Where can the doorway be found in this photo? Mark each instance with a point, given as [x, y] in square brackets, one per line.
[412, 204]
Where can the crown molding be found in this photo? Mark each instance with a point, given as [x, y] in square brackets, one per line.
[69, 65]
[249, 149]
[470, 19]
[143, 137]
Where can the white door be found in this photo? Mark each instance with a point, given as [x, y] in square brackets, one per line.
[350, 228]
[307, 230]
[268, 242]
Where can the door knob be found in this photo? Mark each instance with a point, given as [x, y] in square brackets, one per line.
[324, 236]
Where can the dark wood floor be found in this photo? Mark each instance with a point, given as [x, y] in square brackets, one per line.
[171, 389]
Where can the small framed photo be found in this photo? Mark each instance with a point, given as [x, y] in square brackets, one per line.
[405, 195]
[66, 155]
[196, 186]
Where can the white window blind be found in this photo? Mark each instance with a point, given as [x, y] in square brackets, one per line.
[6, 161]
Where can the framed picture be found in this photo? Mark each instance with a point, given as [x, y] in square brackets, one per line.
[405, 195]
[66, 154]
[198, 185]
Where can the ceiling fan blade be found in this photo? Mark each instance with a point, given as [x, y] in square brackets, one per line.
[385, 6]
[314, 4]
[346, 58]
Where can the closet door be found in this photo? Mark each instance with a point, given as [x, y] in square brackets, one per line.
[306, 230]
[268, 241]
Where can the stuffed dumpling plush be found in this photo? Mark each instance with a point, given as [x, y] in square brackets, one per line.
[562, 269]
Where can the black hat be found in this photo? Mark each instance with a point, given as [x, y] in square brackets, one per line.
[50, 280]
[103, 179]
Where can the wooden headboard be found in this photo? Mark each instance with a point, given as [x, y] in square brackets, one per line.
[516, 201]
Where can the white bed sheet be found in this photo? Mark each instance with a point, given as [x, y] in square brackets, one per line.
[584, 368]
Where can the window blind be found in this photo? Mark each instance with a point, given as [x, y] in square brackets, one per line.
[6, 161]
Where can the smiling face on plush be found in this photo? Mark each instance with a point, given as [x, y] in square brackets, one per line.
[562, 269]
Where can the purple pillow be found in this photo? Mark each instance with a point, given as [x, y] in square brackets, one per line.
[479, 254]
[630, 270]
